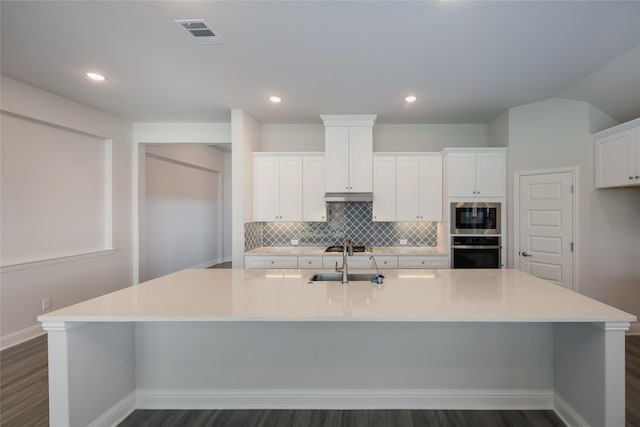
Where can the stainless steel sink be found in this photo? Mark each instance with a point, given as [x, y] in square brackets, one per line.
[337, 277]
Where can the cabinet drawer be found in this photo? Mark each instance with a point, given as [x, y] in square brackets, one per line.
[310, 262]
[352, 261]
[387, 261]
[271, 262]
[423, 262]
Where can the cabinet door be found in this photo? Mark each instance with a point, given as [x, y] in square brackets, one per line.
[384, 188]
[430, 188]
[290, 188]
[408, 189]
[461, 174]
[337, 159]
[490, 174]
[637, 156]
[266, 188]
[314, 207]
[615, 160]
[360, 159]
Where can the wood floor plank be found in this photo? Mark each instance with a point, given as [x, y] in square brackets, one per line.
[24, 384]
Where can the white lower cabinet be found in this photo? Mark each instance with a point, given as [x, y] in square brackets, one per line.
[358, 261]
[310, 261]
[329, 261]
[267, 261]
[386, 261]
[423, 261]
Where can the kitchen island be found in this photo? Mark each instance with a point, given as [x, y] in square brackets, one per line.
[476, 339]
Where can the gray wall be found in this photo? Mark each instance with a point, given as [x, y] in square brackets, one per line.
[556, 133]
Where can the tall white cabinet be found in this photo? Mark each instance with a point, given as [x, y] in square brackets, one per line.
[349, 153]
[617, 156]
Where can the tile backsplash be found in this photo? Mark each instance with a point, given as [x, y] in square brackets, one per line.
[344, 219]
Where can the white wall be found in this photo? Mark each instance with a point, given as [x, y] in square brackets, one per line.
[498, 131]
[428, 137]
[386, 137]
[73, 281]
[183, 208]
[284, 138]
[245, 139]
[162, 136]
[557, 133]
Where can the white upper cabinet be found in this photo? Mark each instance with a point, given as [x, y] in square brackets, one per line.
[407, 187]
[314, 207]
[384, 188]
[617, 156]
[419, 187]
[476, 173]
[349, 153]
[277, 187]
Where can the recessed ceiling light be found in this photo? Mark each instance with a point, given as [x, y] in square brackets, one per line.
[275, 99]
[410, 98]
[97, 77]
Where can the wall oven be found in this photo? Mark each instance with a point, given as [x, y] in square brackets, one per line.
[475, 218]
[476, 252]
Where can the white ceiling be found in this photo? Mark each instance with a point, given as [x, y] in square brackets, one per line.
[466, 61]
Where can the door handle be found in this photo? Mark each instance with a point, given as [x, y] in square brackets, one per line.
[526, 254]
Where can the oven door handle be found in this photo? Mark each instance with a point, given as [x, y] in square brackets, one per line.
[476, 247]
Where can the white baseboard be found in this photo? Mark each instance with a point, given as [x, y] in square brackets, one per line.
[20, 336]
[117, 413]
[634, 329]
[566, 413]
[344, 399]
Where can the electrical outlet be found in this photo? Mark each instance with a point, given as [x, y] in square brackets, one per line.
[294, 242]
[404, 242]
[46, 304]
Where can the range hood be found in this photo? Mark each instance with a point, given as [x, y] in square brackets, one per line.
[348, 197]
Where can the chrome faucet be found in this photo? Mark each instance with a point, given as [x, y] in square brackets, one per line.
[347, 249]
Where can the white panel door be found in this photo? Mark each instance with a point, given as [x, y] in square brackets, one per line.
[490, 175]
[614, 160]
[384, 188]
[461, 174]
[337, 159]
[266, 178]
[546, 227]
[431, 188]
[290, 188]
[360, 159]
[314, 207]
[408, 188]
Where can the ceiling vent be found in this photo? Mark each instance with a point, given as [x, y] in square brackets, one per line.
[200, 30]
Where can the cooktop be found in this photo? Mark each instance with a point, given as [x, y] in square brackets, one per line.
[339, 249]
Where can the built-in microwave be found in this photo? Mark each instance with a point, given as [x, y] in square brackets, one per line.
[475, 218]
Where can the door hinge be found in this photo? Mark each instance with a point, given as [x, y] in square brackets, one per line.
[571, 246]
[571, 189]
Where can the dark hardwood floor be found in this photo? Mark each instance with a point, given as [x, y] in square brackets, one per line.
[24, 384]
[335, 418]
[24, 402]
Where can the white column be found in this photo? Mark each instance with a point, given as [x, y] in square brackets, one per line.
[589, 373]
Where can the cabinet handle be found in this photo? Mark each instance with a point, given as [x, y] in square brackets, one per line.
[422, 263]
[637, 177]
[271, 262]
[630, 177]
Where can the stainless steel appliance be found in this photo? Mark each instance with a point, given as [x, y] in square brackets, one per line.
[475, 218]
[476, 252]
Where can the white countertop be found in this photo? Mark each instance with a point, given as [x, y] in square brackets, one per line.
[396, 250]
[285, 295]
